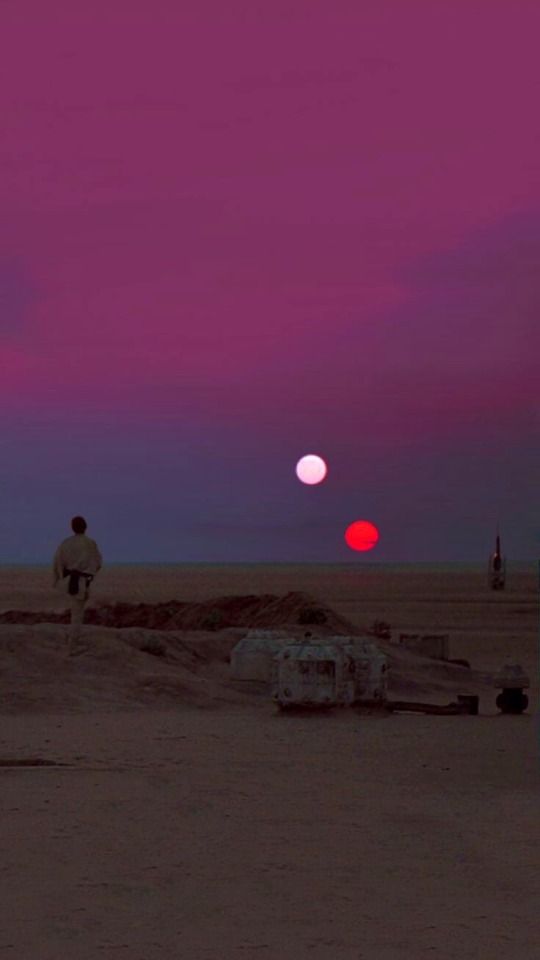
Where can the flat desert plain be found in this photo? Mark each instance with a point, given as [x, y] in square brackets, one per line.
[153, 808]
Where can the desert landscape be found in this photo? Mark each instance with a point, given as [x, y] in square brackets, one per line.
[155, 808]
[269, 348]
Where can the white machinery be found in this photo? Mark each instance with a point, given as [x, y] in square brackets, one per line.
[251, 658]
[336, 671]
[370, 668]
[312, 673]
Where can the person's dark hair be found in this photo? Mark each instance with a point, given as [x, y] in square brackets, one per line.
[78, 524]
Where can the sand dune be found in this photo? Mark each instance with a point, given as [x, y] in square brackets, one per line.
[165, 652]
[120, 667]
[252, 611]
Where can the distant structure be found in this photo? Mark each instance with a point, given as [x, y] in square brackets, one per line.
[497, 567]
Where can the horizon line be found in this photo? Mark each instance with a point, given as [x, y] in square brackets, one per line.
[242, 563]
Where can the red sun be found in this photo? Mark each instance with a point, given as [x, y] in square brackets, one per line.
[361, 535]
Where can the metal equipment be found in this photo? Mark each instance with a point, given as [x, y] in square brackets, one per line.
[312, 673]
[512, 680]
[251, 658]
[466, 704]
[497, 567]
[368, 667]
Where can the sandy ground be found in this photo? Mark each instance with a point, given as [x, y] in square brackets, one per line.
[191, 820]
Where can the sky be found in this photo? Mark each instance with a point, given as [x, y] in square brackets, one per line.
[236, 233]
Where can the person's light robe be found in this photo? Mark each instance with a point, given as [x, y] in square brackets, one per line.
[78, 552]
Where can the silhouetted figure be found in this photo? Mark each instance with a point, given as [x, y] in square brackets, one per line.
[497, 567]
[77, 558]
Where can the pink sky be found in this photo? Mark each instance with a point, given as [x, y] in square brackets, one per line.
[235, 233]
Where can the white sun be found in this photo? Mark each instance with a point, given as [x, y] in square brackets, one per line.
[311, 469]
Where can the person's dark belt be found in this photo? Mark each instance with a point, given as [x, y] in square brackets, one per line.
[74, 577]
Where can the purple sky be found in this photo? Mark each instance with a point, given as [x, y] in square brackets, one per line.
[235, 233]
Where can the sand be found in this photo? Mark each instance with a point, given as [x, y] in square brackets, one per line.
[187, 818]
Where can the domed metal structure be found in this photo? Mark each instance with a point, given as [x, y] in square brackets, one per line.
[312, 673]
[251, 658]
[370, 668]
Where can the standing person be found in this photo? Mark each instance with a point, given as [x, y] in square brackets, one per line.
[78, 558]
